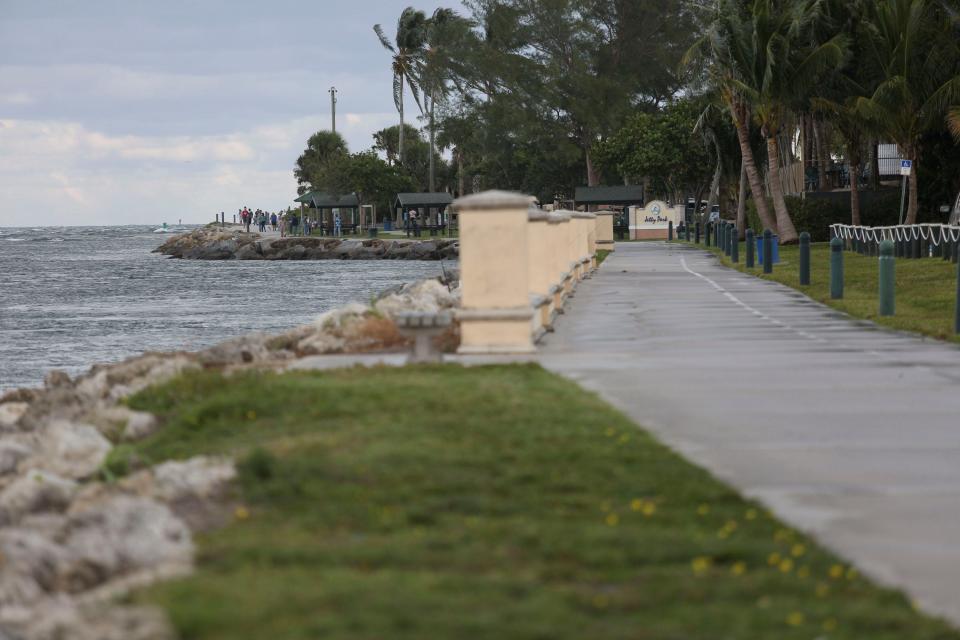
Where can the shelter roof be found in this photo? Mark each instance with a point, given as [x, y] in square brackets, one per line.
[438, 199]
[622, 194]
[320, 200]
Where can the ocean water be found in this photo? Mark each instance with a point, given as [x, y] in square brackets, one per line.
[75, 296]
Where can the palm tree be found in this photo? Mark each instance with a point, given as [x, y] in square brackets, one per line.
[722, 47]
[445, 31]
[406, 51]
[953, 121]
[916, 53]
[778, 71]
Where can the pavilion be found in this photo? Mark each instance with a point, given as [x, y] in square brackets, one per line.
[325, 202]
[430, 206]
[617, 196]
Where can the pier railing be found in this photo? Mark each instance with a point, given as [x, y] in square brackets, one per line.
[519, 265]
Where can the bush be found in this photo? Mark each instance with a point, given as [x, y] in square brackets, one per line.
[815, 213]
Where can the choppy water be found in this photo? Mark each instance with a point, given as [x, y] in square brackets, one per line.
[75, 296]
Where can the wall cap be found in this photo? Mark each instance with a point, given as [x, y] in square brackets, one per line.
[583, 215]
[536, 214]
[490, 200]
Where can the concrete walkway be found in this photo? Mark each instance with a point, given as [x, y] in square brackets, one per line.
[845, 430]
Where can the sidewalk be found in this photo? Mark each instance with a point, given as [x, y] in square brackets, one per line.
[845, 430]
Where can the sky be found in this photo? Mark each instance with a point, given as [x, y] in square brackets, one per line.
[137, 112]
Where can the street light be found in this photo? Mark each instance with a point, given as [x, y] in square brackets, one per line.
[333, 108]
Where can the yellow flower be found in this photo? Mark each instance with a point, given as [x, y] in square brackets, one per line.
[610, 432]
[829, 624]
[822, 590]
[612, 519]
[251, 415]
[803, 572]
[701, 564]
[703, 510]
[773, 559]
[649, 509]
[782, 535]
[241, 513]
[836, 571]
[636, 505]
[738, 568]
[624, 439]
[795, 619]
[798, 550]
[851, 574]
[786, 565]
[751, 514]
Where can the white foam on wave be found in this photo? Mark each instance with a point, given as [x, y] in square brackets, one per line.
[15, 239]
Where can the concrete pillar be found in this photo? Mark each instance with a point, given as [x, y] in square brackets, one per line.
[586, 241]
[604, 230]
[540, 270]
[496, 316]
[559, 264]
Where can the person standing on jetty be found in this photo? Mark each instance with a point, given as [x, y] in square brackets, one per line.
[273, 221]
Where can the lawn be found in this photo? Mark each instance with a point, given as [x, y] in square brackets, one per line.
[499, 502]
[925, 289]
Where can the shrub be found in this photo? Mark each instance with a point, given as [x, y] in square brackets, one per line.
[815, 213]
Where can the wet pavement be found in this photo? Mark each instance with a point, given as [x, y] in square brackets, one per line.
[845, 430]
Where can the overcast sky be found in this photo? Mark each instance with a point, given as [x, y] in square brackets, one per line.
[129, 111]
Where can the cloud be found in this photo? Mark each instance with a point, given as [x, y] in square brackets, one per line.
[77, 175]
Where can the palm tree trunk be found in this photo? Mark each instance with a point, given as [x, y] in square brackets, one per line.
[742, 202]
[753, 176]
[913, 206]
[785, 228]
[818, 136]
[432, 142]
[593, 178]
[854, 194]
[461, 179]
[400, 145]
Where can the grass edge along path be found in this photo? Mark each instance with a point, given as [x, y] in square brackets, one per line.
[488, 502]
[925, 289]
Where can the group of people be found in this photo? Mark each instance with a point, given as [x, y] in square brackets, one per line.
[260, 218]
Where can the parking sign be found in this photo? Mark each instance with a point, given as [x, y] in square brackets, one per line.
[906, 167]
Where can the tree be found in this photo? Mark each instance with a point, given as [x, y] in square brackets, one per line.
[321, 148]
[662, 147]
[917, 55]
[405, 51]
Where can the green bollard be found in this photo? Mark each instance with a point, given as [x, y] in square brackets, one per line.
[697, 232]
[707, 229]
[955, 252]
[956, 311]
[751, 248]
[734, 245]
[887, 279]
[836, 269]
[767, 251]
[686, 231]
[804, 258]
[726, 238]
[670, 231]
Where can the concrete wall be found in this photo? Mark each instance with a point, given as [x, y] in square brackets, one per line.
[518, 266]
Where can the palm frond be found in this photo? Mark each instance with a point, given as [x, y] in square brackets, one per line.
[953, 121]
[377, 29]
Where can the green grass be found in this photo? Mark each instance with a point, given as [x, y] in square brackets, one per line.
[474, 503]
[602, 255]
[925, 289]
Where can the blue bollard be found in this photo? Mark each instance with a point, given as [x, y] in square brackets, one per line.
[887, 279]
[767, 251]
[804, 258]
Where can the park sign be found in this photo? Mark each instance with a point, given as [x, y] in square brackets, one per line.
[652, 222]
[906, 167]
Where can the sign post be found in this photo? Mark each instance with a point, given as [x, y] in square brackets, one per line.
[906, 168]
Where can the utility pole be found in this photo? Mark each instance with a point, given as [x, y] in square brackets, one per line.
[333, 108]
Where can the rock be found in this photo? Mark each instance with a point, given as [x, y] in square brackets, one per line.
[425, 296]
[249, 252]
[11, 412]
[121, 423]
[56, 379]
[118, 536]
[30, 567]
[34, 492]
[11, 453]
[242, 350]
[70, 450]
[67, 621]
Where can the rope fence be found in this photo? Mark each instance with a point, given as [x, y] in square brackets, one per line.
[910, 241]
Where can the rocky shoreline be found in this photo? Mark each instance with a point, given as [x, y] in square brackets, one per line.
[74, 539]
[213, 243]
